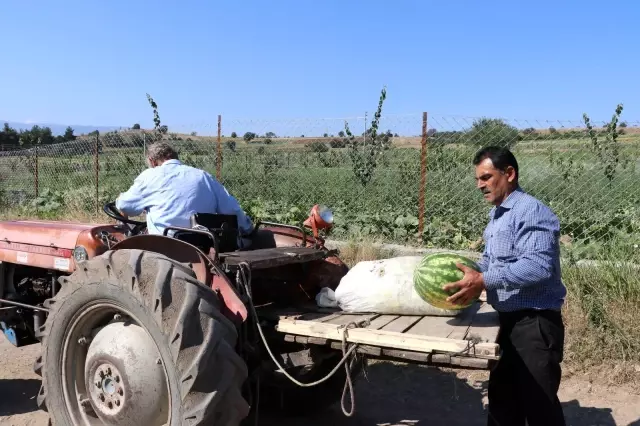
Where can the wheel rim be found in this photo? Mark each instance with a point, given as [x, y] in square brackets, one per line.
[112, 371]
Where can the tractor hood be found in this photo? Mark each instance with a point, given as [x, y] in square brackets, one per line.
[61, 235]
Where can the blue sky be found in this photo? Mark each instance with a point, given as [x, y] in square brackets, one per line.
[91, 62]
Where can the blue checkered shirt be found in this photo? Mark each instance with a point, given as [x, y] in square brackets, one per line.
[521, 260]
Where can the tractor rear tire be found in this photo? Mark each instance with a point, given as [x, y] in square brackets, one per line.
[181, 348]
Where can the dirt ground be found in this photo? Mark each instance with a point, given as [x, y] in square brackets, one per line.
[390, 394]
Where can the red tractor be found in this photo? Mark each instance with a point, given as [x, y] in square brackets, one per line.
[170, 329]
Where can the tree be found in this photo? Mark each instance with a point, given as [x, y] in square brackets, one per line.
[68, 135]
[366, 154]
[607, 150]
[234, 135]
[318, 146]
[9, 136]
[337, 143]
[136, 127]
[249, 136]
[493, 131]
[160, 129]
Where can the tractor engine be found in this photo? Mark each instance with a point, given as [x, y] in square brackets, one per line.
[33, 255]
[30, 286]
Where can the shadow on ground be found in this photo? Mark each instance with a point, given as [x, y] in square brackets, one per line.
[390, 395]
[18, 396]
[410, 395]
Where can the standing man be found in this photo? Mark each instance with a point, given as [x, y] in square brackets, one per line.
[520, 271]
[170, 192]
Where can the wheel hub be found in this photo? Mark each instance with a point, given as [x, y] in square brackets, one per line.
[108, 394]
[126, 383]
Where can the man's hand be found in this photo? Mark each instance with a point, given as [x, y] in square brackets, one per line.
[470, 286]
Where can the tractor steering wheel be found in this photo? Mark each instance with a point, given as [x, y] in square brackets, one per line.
[111, 211]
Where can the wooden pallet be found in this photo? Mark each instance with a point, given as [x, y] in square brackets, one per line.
[468, 340]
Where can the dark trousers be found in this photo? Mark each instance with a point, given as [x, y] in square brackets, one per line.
[524, 383]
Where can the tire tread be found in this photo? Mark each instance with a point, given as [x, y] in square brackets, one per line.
[210, 373]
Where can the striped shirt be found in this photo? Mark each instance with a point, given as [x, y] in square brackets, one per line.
[521, 260]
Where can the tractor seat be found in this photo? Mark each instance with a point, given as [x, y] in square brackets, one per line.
[223, 227]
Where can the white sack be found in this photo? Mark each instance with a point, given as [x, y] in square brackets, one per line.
[384, 287]
[326, 298]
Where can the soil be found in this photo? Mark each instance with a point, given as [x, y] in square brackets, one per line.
[390, 394]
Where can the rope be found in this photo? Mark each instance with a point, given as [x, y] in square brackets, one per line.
[246, 281]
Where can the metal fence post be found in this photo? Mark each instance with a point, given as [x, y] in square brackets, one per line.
[423, 175]
[36, 174]
[97, 169]
[219, 143]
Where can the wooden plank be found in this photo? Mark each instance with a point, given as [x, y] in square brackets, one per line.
[345, 319]
[317, 316]
[432, 326]
[402, 323]
[388, 339]
[462, 322]
[485, 325]
[381, 321]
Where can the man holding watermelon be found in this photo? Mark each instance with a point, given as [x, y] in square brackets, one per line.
[520, 271]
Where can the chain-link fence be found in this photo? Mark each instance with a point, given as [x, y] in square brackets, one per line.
[412, 183]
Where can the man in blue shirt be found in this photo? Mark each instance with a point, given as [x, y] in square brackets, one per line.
[170, 192]
[520, 271]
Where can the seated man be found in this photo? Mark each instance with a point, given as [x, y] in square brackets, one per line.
[170, 192]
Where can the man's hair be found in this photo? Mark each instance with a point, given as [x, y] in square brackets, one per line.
[500, 157]
[161, 151]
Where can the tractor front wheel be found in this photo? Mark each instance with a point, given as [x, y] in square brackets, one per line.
[132, 338]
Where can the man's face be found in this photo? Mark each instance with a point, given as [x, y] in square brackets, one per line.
[151, 163]
[495, 184]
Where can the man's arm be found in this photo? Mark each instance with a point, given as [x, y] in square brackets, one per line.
[537, 245]
[131, 202]
[227, 204]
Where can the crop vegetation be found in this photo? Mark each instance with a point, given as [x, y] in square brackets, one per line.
[588, 175]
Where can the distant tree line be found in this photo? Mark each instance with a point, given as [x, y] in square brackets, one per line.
[10, 137]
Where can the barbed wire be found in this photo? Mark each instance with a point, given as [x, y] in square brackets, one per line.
[278, 169]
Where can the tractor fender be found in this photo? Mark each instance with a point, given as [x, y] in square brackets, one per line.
[206, 271]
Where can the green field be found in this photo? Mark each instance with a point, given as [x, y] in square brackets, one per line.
[281, 181]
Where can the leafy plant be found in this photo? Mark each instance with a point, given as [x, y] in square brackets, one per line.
[608, 150]
[365, 156]
[48, 201]
[159, 128]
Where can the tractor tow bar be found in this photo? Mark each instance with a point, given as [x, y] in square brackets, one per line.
[22, 305]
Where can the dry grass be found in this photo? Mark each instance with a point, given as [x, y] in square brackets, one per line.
[362, 251]
[603, 322]
[601, 316]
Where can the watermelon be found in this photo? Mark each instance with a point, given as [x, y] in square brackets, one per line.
[437, 270]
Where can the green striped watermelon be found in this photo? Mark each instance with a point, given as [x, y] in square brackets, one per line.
[435, 271]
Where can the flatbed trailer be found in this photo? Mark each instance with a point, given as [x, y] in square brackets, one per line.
[467, 340]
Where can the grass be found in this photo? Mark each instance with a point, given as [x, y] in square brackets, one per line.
[603, 328]
[282, 184]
